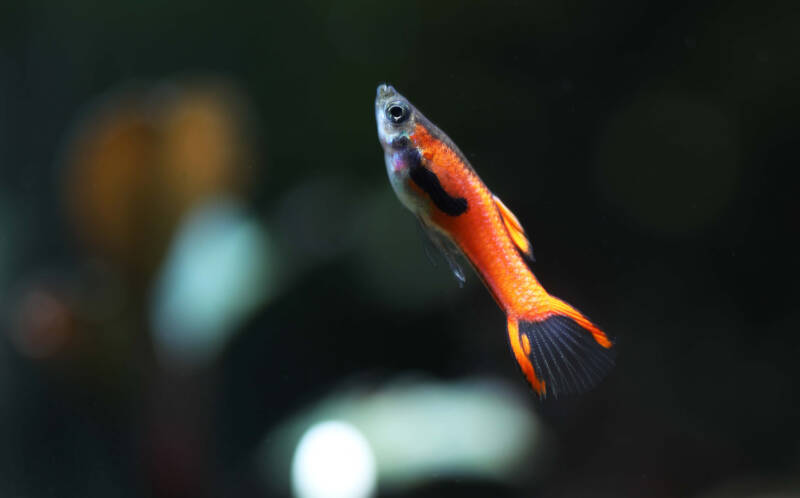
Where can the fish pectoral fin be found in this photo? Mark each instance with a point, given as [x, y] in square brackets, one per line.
[514, 228]
[448, 250]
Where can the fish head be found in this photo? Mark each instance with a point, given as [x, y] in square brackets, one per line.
[394, 115]
[396, 119]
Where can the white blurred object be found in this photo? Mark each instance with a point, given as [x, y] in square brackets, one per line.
[333, 460]
[216, 272]
[421, 430]
[463, 429]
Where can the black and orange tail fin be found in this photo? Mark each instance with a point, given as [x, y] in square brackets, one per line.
[559, 354]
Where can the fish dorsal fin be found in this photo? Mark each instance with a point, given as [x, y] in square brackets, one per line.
[514, 228]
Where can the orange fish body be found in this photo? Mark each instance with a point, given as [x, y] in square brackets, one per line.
[558, 349]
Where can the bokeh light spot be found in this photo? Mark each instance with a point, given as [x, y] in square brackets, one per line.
[333, 460]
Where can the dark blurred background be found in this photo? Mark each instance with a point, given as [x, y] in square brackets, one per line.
[201, 257]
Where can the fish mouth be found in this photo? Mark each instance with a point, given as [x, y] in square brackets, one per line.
[385, 91]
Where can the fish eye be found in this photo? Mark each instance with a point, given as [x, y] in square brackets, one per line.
[397, 112]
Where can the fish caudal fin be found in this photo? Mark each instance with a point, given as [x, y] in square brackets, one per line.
[560, 354]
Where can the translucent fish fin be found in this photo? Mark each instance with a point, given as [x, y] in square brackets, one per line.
[514, 228]
[566, 359]
[427, 243]
[448, 250]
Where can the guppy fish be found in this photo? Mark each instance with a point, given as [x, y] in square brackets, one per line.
[559, 350]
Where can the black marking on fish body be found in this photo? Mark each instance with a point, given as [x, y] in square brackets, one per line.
[430, 184]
